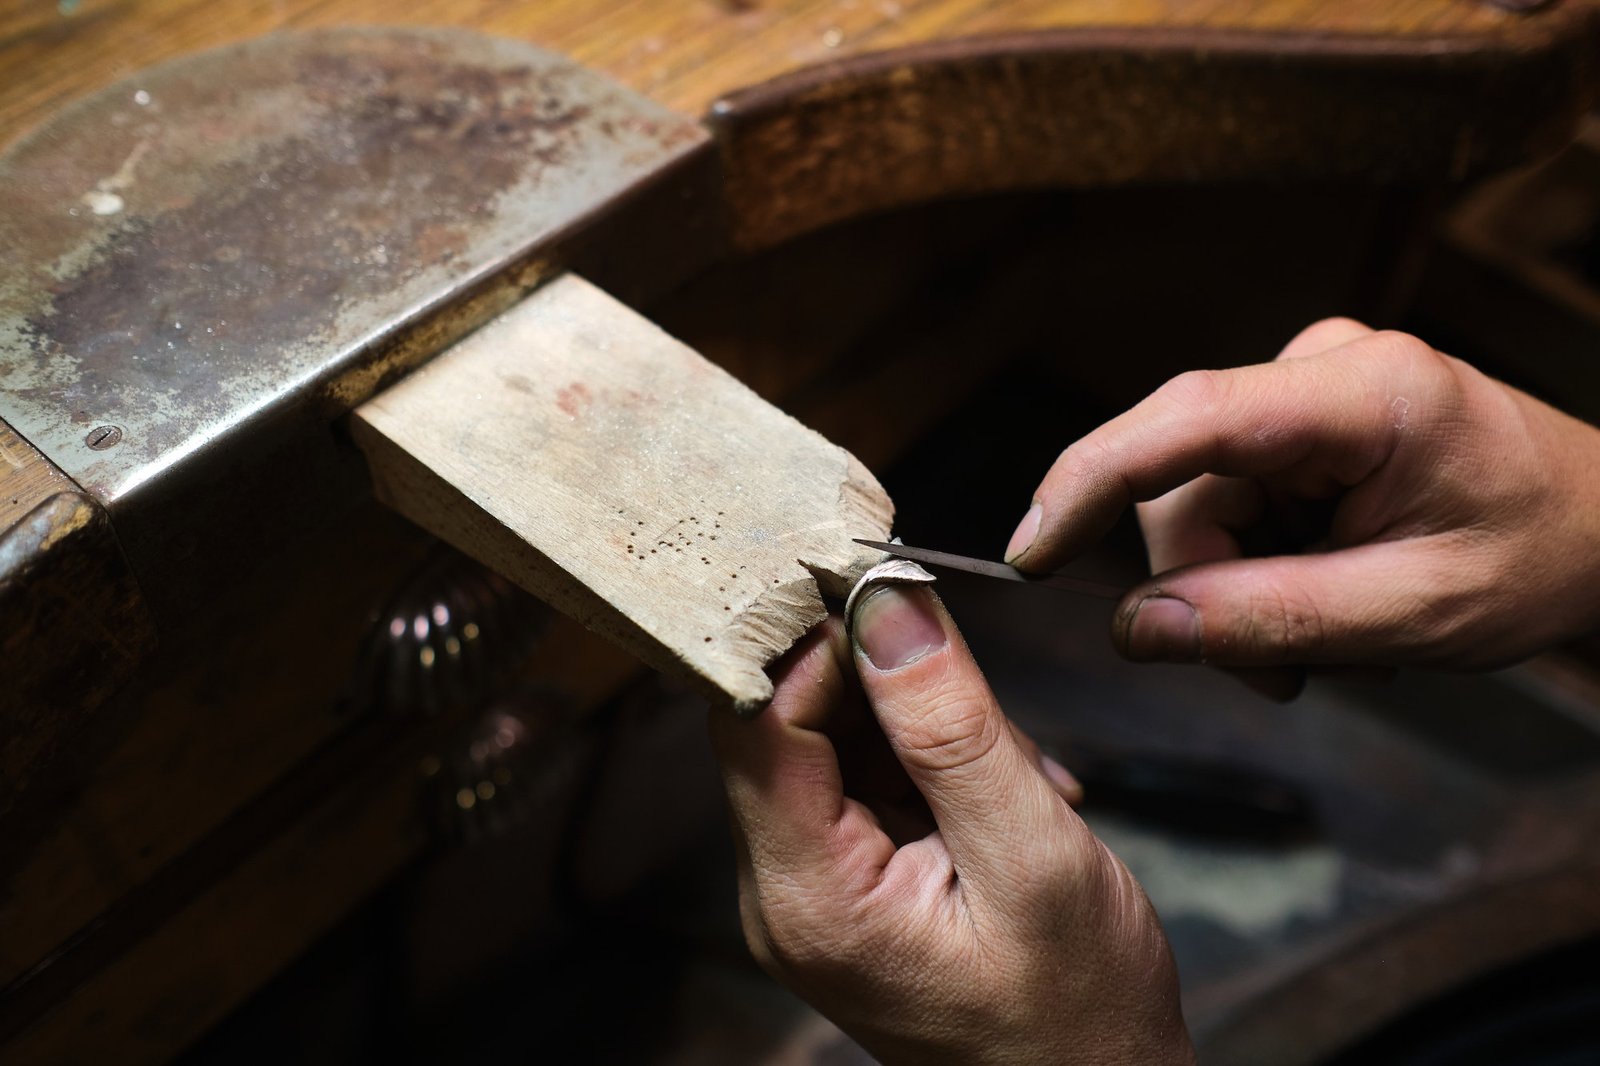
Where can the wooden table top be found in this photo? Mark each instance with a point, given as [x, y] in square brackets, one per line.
[683, 53]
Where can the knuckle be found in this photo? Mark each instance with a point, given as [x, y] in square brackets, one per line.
[1324, 335]
[1286, 621]
[791, 951]
[1455, 610]
[1335, 324]
[952, 728]
[1082, 461]
[1196, 390]
[797, 939]
[1065, 871]
[1415, 370]
[830, 947]
[1078, 875]
[1410, 355]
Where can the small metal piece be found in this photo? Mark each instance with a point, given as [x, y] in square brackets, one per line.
[103, 437]
[967, 564]
[889, 572]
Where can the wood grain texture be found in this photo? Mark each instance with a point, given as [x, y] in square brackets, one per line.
[27, 478]
[684, 53]
[579, 450]
[859, 105]
[1095, 108]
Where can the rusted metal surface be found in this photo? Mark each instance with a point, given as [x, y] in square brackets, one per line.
[208, 239]
[1089, 108]
[263, 234]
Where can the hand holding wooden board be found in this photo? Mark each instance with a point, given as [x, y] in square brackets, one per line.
[614, 472]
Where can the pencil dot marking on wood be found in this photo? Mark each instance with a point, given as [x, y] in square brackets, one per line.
[804, 509]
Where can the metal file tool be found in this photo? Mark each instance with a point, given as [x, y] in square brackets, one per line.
[1004, 571]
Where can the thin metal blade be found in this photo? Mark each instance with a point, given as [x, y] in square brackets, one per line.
[1004, 571]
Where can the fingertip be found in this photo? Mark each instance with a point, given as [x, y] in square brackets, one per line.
[1026, 533]
[806, 681]
[810, 676]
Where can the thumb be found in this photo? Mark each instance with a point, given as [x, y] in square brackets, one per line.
[1376, 603]
[942, 721]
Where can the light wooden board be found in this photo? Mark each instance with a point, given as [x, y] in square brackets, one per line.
[614, 472]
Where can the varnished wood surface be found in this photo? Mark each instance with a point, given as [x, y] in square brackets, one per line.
[683, 53]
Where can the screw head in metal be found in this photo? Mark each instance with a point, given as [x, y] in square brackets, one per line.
[102, 437]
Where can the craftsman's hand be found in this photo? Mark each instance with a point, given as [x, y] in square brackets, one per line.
[934, 894]
[1425, 513]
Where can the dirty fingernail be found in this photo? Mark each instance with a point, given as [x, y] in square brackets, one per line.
[1164, 628]
[1027, 530]
[897, 625]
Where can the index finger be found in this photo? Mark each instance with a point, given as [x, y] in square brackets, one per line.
[1327, 418]
[785, 790]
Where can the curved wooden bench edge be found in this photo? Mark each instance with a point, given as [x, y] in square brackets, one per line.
[1101, 107]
